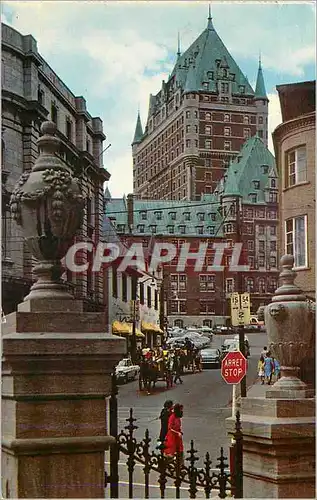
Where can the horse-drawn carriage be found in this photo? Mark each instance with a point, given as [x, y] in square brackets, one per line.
[190, 361]
[152, 372]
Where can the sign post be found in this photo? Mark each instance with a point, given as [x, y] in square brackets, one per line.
[233, 370]
[240, 316]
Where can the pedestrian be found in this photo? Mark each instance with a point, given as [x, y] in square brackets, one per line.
[264, 352]
[277, 369]
[268, 368]
[174, 438]
[261, 364]
[164, 418]
[177, 368]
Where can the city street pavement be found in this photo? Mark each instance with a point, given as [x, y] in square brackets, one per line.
[207, 403]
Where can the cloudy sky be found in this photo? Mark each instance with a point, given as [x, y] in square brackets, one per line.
[117, 53]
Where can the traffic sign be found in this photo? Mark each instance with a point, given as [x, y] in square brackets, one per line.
[234, 367]
[240, 309]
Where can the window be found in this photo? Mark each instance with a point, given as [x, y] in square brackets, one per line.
[250, 285]
[261, 214]
[227, 145]
[261, 261]
[208, 117]
[241, 89]
[207, 307]
[250, 245]
[153, 229]
[249, 213]
[211, 230]
[158, 215]
[143, 215]
[212, 216]
[260, 134]
[187, 216]
[225, 88]
[229, 228]
[124, 295]
[246, 133]
[262, 285]
[200, 229]
[172, 215]
[227, 131]
[273, 261]
[226, 118]
[149, 297]
[208, 130]
[246, 120]
[273, 230]
[273, 183]
[272, 214]
[208, 144]
[120, 228]
[69, 131]
[187, 114]
[187, 143]
[142, 294]
[272, 197]
[262, 246]
[249, 229]
[141, 228]
[182, 306]
[155, 300]
[296, 166]
[273, 246]
[207, 282]
[251, 262]
[260, 120]
[114, 283]
[256, 184]
[54, 113]
[40, 96]
[253, 198]
[179, 323]
[272, 285]
[187, 128]
[229, 285]
[201, 216]
[182, 229]
[170, 229]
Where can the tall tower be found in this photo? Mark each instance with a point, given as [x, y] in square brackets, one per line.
[262, 104]
[197, 123]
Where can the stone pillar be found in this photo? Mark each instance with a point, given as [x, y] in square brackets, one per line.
[57, 360]
[279, 429]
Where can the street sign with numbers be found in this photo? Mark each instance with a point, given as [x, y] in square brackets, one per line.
[240, 309]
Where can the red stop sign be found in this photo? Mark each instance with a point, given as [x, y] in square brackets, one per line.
[234, 367]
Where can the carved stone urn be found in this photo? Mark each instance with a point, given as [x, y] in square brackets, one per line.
[290, 323]
[47, 203]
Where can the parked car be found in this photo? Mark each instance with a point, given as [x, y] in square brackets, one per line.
[228, 330]
[229, 345]
[211, 358]
[126, 370]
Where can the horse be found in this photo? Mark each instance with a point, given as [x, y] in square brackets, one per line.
[148, 375]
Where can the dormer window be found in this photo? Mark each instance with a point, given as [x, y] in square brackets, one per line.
[210, 75]
[253, 198]
[273, 183]
[265, 169]
[170, 229]
[186, 216]
[211, 230]
[182, 229]
[141, 228]
[200, 229]
[225, 88]
[256, 184]
[212, 216]
[153, 229]
[172, 215]
[143, 215]
[158, 215]
[241, 89]
[225, 72]
[120, 228]
[201, 216]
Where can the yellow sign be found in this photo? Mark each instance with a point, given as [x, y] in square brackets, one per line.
[240, 309]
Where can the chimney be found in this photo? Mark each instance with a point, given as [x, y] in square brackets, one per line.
[130, 206]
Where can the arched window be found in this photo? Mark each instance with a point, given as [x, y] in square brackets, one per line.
[208, 117]
[262, 285]
[179, 323]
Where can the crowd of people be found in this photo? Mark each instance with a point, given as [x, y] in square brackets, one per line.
[268, 367]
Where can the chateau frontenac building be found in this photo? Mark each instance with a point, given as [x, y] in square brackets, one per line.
[197, 123]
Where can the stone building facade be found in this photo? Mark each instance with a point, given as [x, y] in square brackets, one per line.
[295, 149]
[203, 297]
[31, 93]
[197, 123]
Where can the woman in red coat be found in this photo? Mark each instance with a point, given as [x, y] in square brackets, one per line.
[174, 441]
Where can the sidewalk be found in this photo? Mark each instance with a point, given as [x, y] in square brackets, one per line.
[257, 390]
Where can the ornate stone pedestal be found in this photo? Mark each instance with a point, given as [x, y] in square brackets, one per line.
[279, 430]
[278, 447]
[56, 376]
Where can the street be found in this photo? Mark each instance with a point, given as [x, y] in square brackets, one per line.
[207, 403]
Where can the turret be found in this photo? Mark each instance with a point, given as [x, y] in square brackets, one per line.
[138, 134]
[261, 102]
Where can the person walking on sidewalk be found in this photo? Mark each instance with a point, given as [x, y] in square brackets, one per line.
[164, 418]
[177, 368]
[264, 352]
[268, 368]
[173, 444]
[261, 373]
[277, 369]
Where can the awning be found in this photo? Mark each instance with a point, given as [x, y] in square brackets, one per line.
[122, 328]
[138, 332]
[150, 327]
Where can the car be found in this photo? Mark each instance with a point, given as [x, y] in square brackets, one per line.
[229, 345]
[211, 357]
[126, 370]
[236, 337]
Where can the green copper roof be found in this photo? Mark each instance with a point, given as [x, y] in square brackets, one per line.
[210, 56]
[107, 194]
[251, 170]
[138, 134]
[231, 184]
[260, 91]
[191, 82]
